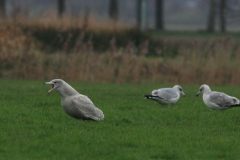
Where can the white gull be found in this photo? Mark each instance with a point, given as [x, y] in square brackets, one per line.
[166, 95]
[74, 104]
[217, 100]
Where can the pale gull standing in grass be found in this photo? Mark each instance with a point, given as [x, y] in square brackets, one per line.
[74, 104]
[217, 100]
[166, 95]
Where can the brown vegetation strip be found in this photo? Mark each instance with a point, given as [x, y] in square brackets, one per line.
[214, 61]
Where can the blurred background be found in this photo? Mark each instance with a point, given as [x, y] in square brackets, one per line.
[172, 14]
[121, 41]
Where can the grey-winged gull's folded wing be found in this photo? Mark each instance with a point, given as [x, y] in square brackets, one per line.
[221, 99]
[167, 93]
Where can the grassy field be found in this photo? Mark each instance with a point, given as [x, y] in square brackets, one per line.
[34, 125]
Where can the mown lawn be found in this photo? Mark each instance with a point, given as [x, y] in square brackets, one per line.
[34, 125]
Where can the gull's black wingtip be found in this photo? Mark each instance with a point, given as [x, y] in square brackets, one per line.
[236, 105]
[147, 95]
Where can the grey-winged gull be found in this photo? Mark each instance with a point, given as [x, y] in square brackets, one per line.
[217, 100]
[166, 95]
[74, 104]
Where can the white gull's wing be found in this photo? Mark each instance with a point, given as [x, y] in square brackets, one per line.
[87, 108]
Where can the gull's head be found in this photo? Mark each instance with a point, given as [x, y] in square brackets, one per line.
[56, 84]
[204, 89]
[179, 89]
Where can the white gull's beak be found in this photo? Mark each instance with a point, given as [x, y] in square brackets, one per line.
[52, 86]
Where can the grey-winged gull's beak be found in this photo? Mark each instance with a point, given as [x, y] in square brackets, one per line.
[51, 84]
[198, 93]
[183, 93]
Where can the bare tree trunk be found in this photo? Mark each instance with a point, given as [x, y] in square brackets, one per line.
[159, 14]
[139, 13]
[2, 8]
[223, 15]
[212, 15]
[113, 9]
[142, 14]
[61, 8]
[86, 18]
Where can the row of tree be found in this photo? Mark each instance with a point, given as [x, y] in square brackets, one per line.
[214, 7]
[141, 13]
[221, 6]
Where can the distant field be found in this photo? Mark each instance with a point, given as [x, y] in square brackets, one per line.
[194, 35]
[34, 125]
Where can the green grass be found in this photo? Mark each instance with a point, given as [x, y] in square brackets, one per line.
[34, 125]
